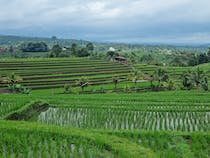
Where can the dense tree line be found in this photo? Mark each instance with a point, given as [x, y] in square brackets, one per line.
[199, 59]
[34, 47]
[57, 50]
[74, 50]
[176, 59]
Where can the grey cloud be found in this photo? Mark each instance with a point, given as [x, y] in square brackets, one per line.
[108, 20]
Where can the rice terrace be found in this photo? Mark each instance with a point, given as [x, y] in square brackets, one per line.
[104, 79]
[102, 120]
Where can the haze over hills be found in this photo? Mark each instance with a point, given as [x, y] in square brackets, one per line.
[7, 40]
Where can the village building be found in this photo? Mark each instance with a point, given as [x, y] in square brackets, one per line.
[121, 60]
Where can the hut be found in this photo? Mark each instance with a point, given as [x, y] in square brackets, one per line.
[121, 60]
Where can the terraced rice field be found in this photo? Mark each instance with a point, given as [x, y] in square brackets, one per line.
[166, 124]
[170, 124]
[49, 146]
[54, 73]
[21, 139]
[126, 119]
[174, 72]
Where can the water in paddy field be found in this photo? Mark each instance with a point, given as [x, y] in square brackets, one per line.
[109, 118]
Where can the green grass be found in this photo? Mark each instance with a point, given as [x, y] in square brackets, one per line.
[160, 143]
[135, 124]
[173, 71]
[54, 73]
[52, 141]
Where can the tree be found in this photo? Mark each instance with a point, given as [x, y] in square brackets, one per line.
[34, 47]
[12, 80]
[170, 85]
[67, 88]
[115, 80]
[83, 52]
[110, 53]
[178, 61]
[208, 54]
[160, 76]
[132, 59]
[204, 84]
[200, 79]
[90, 47]
[82, 82]
[56, 50]
[187, 80]
[147, 58]
[193, 60]
[135, 76]
[195, 79]
[198, 76]
[202, 58]
[11, 49]
[74, 49]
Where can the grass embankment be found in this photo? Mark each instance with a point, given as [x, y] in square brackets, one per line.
[27, 111]
[169, 144]
[52, 141]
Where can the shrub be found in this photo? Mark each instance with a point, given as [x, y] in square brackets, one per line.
[67, 88]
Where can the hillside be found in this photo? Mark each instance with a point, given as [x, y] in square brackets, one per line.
[105, 120]
[16, 40]
[55, 73]
[8, 40]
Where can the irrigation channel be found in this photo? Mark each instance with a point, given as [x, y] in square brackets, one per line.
[121, 119]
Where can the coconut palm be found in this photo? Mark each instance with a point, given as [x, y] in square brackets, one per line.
[198, 76]
[115, 80]
[160, 76]
[12, 80]
[136, 75]
[204, 84]
[187, 80]
[194, 79]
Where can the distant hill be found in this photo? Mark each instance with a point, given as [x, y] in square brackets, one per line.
[16, 40]
[7, 40]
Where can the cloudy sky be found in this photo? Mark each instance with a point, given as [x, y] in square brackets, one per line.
[133, 21]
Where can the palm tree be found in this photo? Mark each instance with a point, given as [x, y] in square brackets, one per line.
[198, 76]
[135, 76]
[160, 76]
[194, 79]
[12, 80]
[1, 79]
[115, 81]
[204, 84]
[82, 82]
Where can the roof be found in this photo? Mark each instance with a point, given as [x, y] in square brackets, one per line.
[120, 57]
